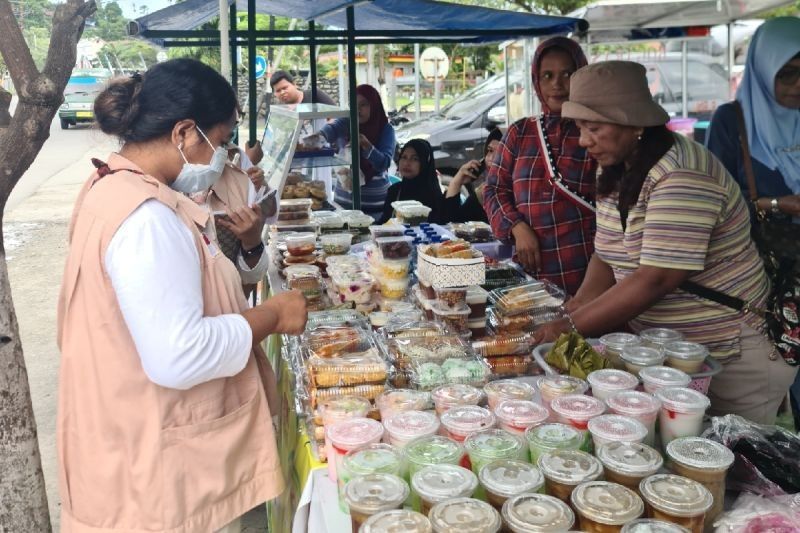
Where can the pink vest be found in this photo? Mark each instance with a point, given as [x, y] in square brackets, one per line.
[135, 456]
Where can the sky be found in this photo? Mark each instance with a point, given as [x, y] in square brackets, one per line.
[130, 8]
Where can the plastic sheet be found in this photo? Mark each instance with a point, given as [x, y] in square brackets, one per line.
[756, 514]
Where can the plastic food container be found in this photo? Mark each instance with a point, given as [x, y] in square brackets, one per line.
[514, 324]
[439, 483]
[604, 507]
[395, 247]
[534, 513]
[659, 337]
[396, 521]
[412, 214]
[335, 410]
[306, 279]
[502, 345]
[476, 300]
[538, 297]
[516, 416]
[481, 231]
[372, 494]
[394, 268]
[296, 205]
[639, 406]
[291, 260]
[452, 297]
[551, 387]
[566, 469]
[348, 435]
[448, 396]
[465, 515]
[330, 342]
[686, 356]
[638, 357]
[336, 243]
[549, 437]
[615, 343]
[706, 462]
[401, 400]
[576, 410]
[429, 375]
[676, 499]
[300, 244]
[648, 525]
[506, 478]
[490, 445]
[463, 421]
[394, 288]
[477, 326]
[628, 463]
[609, 381]
[681, 414]
[387, 230]
[435, 450]
[457, 318]
[660, 377]
[404, 427]
[378, 319]
[352, 287]
[507, 389]
[616, 428]
[374, 459]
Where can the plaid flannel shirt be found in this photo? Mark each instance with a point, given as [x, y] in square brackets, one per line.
[518, 189]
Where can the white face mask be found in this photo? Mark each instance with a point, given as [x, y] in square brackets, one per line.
[193, 177]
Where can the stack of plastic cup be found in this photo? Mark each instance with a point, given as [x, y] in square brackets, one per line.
[337, 410]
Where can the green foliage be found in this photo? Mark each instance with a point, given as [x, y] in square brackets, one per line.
[109, 23]
[792, 10]
[128, 53]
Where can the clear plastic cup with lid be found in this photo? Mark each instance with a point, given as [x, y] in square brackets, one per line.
[681, 414]
[397, 521]
[564, 470]
[604, 507]
[548, 437]
[335, 410]
[537, 513]
[649, 525]
[438, 483]
[493, 444]
[371, 494]
[609, 381]
[373, 459]
[465, 515]
[704, 461]
[659, 337]
[640, 406]
[463, 421]
[638, 357]
[507, 389]
[399, 400]
[661, 377]
[616, 428]
[516, 416]
[433, 450]
[404, 427]
[507, 478]
[551, 387]
[686, 356]
[628, 463]
[614, 344]
[576, 410]
[676, 499]
[447, 396]
[351, 434]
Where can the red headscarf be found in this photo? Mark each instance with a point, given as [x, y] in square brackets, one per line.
[373, 128]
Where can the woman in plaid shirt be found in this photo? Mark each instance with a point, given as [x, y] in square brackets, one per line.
[553, 234]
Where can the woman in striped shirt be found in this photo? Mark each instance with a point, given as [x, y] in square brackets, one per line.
[668, 213]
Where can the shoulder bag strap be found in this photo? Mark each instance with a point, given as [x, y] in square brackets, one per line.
[747, 159]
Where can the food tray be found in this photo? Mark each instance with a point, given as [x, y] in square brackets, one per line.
[427, 375]
[536, 297]
[503, 345]
[404, 351]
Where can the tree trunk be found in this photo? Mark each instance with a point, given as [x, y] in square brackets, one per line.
[23, 499]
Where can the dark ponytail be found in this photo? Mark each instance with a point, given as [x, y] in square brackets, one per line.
[144, 107]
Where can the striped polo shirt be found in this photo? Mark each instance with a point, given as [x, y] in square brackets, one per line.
[690, 215]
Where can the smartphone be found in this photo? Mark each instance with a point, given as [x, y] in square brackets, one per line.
[267, 203]
[481, 167]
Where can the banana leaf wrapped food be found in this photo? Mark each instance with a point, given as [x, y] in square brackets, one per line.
[572, 355]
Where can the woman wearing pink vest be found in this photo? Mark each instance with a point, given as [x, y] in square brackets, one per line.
[163, 421]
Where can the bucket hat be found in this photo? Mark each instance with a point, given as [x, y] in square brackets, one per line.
[615, 92]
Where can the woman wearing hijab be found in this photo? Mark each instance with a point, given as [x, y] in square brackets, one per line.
[551, 226]
[377, 144]
[419, 181]
[472, 176]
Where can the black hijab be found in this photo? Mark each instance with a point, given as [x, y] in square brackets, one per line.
[424, 188]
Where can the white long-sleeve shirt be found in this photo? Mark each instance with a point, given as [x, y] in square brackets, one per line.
[154, 267]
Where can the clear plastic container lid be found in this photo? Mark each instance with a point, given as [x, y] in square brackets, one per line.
[456, 394]
[649, 525]
[611, 379]
[476, 295]
[338, 317]
[465, 515]
[468, 419]
[661, 336]
[633, 403]
[328, 219]
[643, 356]
[537, 512]
[412, 211]
[507, 477]
[295, 272]
[373, 493]
[521, 413]
[387, 230]
[570, 467]
[676, 495]
[344, 407]
[494, 443]
[443, 310]
[433, 450]
[553, 435]
[683, 400]
[437, 483]
[412, 424]
[301, 238]
[395, 247]
[397, 521]
[617, 428]
[296, 204]
[519, 344]
[619, 341]
[665, 376]
[509, 389]
[528, 297]
[607, 503]
[379, 319]
[578, 407]
[374, 458]
[357, 220]
[700, 453]
[562, 385]
[688, 351]
[336, 242]
[354, 433]
[631, 458]
[402, 400]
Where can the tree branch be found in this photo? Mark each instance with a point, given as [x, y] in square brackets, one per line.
[71, 17]
[5, 106]
[15, 50]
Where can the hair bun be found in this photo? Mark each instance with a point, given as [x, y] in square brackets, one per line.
[116, 107]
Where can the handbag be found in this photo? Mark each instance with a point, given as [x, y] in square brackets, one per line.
[779, 247]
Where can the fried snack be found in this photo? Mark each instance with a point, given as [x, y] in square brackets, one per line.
[370, 392]
[509, 364]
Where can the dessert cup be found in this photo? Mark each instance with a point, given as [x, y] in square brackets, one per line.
[676, 499]
[604, 507]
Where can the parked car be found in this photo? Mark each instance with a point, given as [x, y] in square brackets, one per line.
[81, 90]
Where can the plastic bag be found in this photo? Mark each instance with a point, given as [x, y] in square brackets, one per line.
[757, 514]
[767, 457]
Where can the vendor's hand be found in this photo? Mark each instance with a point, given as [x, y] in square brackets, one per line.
[790, 205]
[573, 304]
[256, 175]
[468, 171]
[551, 331]
[290, 310]
[364, 143]
[527, 245]
[246, 223]
[254, 152]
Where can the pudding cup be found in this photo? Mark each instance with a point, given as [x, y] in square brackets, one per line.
[516, 416]
[659, 337]
[564, 470]
[615, 428]
[507, 478]
[604, 507]
[534, 513]
[372, 494]
[686, 356]
[663, 377]
[628, 463]
[349, 435]
[337, 410]
[549, 437]
[373, 459]
[439, 483]
[447, 396]
[639, 406]
[609, 381]
[427, 451]
[463, 421]
[487, 446]
[400, 400]
[398, 520]
[648, 525]
[681, 414]
[404, 427]
[676, 499]
[637, 358]
[614, 344]
[465, 515]
[551, 387]
[506, 389]
[576, 410]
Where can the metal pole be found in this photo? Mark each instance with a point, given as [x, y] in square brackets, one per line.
[251, 72]
[312, 57]
[342, 92]
[417, 100]
[436, 90]
[685, 78]
[355, 166]
[234, 49]
[224, 40]
[731, 59]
